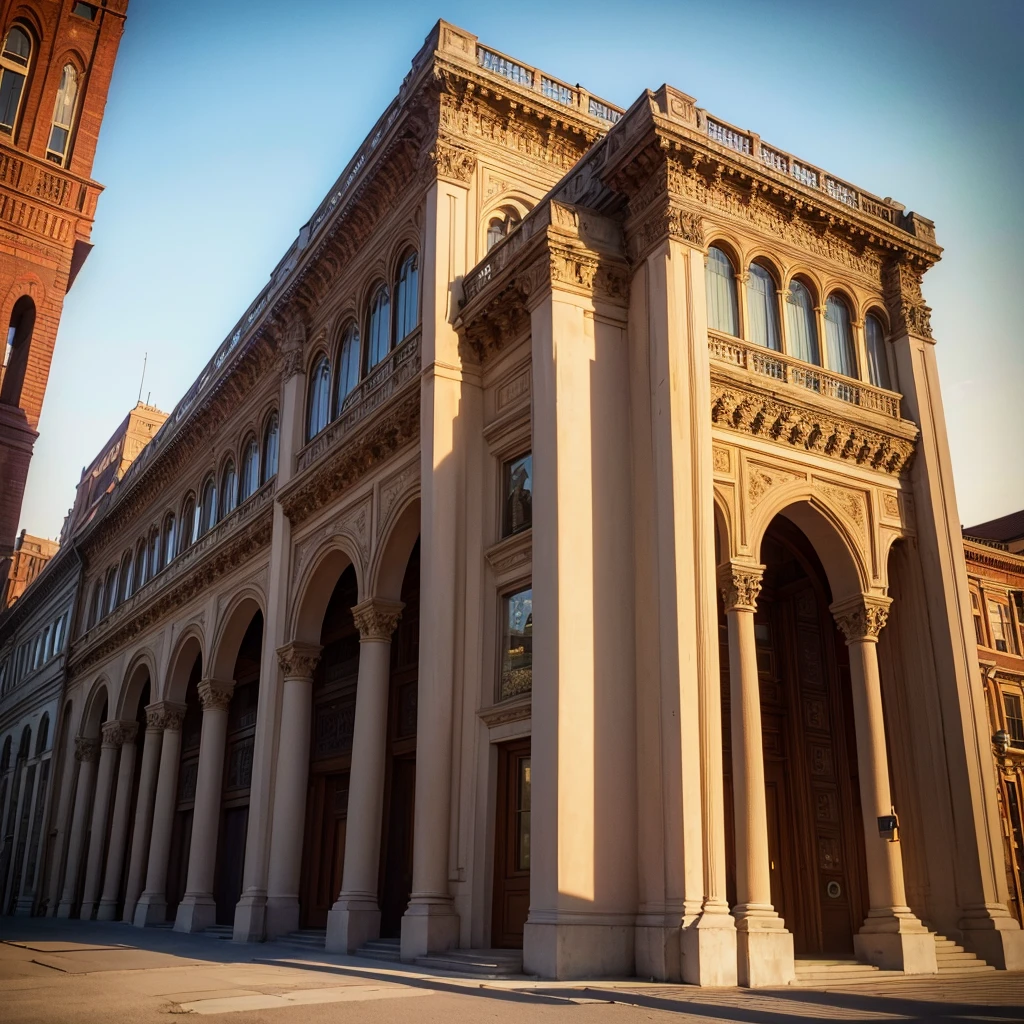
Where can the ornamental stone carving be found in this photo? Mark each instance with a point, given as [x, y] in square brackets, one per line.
[376, 618]
[164, 714]
[298, 660]
[907, 309]
[86, 749]
[861, 618]
[215, 694]
[116, 734]
[446, 161]
[740, 586]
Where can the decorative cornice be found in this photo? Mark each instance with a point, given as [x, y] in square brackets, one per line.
[376, 618]
[518, 709]
[116, 734]
[215, 694]
[298, 660]
[907, 309]
[86, 748]
[165, 714]
[447, 161]
[981, 553]
[861, 618]
[740, 585]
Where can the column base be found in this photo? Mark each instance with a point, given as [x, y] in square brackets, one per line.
[896, 941]
[87, 911]
[708, 950]
[351, 923]
[282, 916]
[196, 912]
[566, 949]
[764, 952]
[64, 909]
[656, 946]
[151, 909]
[23, 908]
[994, 935]
[429, 928]
[250, 918]
[107, 910]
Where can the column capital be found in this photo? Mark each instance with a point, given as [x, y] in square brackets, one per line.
[215, 694]
[861, 617]
[86, 748]
[164, 714]
[376, 618]
[298, 660]
[116, 734]
[740, 584]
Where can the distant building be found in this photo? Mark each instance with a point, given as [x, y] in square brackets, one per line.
[30, 555]
[1007, 531]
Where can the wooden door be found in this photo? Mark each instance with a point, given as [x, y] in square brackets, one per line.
[227, 883]
[511, 903]
[177, 866]
[327, 810]
[396, 873]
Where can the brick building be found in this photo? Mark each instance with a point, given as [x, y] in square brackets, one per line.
[30, 555]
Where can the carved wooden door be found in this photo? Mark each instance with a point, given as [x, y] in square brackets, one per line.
[511, 903]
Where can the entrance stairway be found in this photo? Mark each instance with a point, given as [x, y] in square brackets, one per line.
[309, 940]
[480, 963]
[219, 931]
[381, 949]
[954, 961]
[814, 973]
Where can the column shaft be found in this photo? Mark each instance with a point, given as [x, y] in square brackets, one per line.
[100, 819]
[107, 910]
[86, 753]
[143, 818]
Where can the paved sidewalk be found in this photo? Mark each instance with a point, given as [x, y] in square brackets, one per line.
[67, 972]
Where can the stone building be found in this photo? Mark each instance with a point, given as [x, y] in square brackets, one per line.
[607, 439]
[30, 555]
[56, 59]
[33, 659]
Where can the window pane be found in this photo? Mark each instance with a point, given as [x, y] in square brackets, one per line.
[18, 46]
[495, 233]
[270, 449]
[169, 540]
[518, 494]
[229, 490]
[1014, 719]
[251, 469]
[723, 313]
[517, 652]
[801, 333]
[10, 93]
[878, 366]
[406, 297]
[763, 308]
[319, 398]
[839, 337]
[348, 371]
[380, 326]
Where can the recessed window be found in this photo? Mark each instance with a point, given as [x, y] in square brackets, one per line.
[723, 311]
[874, 341]
[380, 326]
[407, 297]
[229, 489]
[999, 620]
[979, 626]
[169, 539]
[517, 645]
[763, 308]
[348, 364]
[517, 492]
[14, 61]
[270, 445]
[1014, 719]
[207, 510]
[86, 11]
[801, 332]
[839, 337]
[501, 225]
[250, 468]
[63, 116]
[319, 398]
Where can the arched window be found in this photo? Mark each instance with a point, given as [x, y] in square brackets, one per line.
[250, 467]
[839, 337]
[228, 489]
[763, 308]
[111, 589]
[270, 444]
[723, 312]
[319, 398]
[348, 365]
[501, 225]
[874, 341]
[207, 510]
[57, 149]
[407, 297]
[189, 524]
[14, 61]
[141, 564]
[801, 332]
[125, 575]
[169, 538]
[380, 326]
[19, 339]
[96, 612]
[42, 735]
[155, 552]
[58, 635]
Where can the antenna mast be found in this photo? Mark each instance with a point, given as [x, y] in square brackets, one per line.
[141, 382]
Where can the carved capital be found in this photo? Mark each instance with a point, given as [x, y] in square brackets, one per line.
[298, 660]
[444, 160]
[861, 618]
[292, 349]
[740, 585]
[376, 618]
[164, 714]
[116, 734]
[908, 311]
[215, 694]
[86, 749]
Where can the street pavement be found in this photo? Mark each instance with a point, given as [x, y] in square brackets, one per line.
[72, 972]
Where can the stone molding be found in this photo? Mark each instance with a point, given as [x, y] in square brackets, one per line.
[517, 709]
[215, 694]
[376, 618]
[86, 748]
[740, 585]
[449, 162]
[861, 618]
[907, 309]
[116, 734]
[165, 714]
[298, 660]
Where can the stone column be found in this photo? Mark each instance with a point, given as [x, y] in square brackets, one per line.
[892, 937]
[144, 810]
[298, 662]
[87, 752]
[355, 917]
[152, 905]
[107, 910]
[764, 946]
[112, 735]
[197, 909]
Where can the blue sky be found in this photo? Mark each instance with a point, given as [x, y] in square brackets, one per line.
[228, 121]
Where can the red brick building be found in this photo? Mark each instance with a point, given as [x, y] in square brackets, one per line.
[56, 59]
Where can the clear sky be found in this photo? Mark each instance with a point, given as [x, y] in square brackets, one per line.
[228, 121]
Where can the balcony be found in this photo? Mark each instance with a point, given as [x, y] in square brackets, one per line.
[39, 180]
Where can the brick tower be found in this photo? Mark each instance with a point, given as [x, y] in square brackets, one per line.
[56, 59]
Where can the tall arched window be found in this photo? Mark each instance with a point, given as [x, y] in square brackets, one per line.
[250, 467]
[763, 308]
[42, 735]
[97, 603]
[380, 326]
[270, 445]
[407, 297]
[155, 552]
[125, 575]
[110, 589]
[874, 341]
[189, 524]
[839, 337]
[501, 225]
[228, 489]
[723, 311]
[348, 365]
[141, 564]
[14, 62]
[169, 538]
[57, 149]
[319, 398]
[208, 506]
[801, 332]
[19, 340]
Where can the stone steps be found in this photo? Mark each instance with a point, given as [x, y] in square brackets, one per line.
[955, 962]
[219, 931]
[381, 949]
[482, 963]
[312, 939]
[814, 973]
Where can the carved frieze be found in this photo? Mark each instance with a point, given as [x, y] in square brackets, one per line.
[863, 617]
[376, 618]
[448, 161]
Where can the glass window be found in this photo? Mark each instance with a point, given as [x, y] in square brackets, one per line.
[63, 116]
[380, 326]
[1014, 719]
[523, 814]
[348, 364]
[250, 468]
[155, 550]
[517, 492]
[839, 337]
[517, 648]
[502, 225]
[723, 312]
[126, 574]
[979, 628]
[141, 565]
[1002, 627]
[189, 524]
[270, 442]
[1017, 597]
[801, 332]
[169, 538]
[319, 398]
[58, 636]
[874, 342]
[407, 297]
[14, 60]
[207, 510]
[86, 11]
[763, 308]
[111, 589]
[228, 489]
